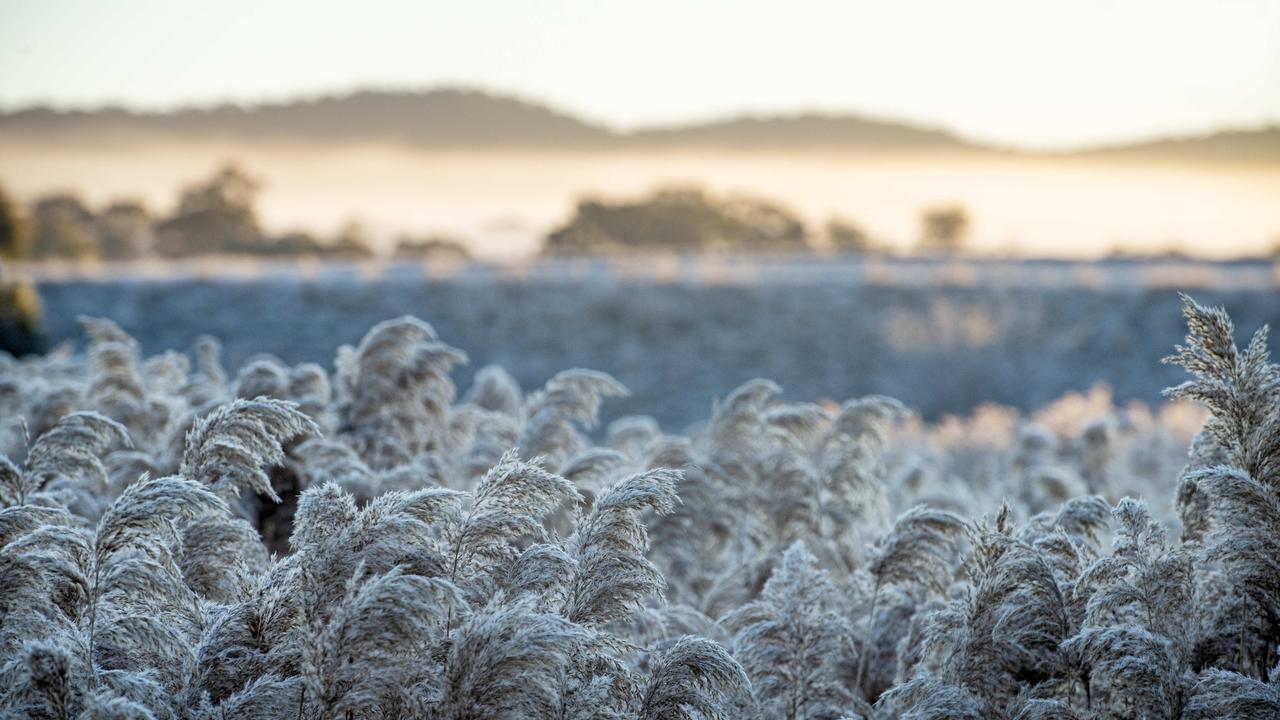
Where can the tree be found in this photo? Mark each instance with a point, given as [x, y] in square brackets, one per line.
[214, 216]
[679, 219]
[63, 228]
[432, 247]
[944, 229]
[125, 230]
[843, 236]
[352, 243]
[297, 243]
[15, 239]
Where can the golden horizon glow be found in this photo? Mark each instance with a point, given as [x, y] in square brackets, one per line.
[503, 203]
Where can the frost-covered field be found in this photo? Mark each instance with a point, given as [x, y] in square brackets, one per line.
[375, 532]
[941, 337]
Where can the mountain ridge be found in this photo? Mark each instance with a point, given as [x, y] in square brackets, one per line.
[468, 118]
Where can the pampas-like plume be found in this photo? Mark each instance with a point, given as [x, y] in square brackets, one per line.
[1145, 581]
[166, 374]
[694, 680]
[591, 469]
[139, 611]
[928, 698]
[18, 521]
[266, 697]
[42, 577]
[569, 400]
[265, 377]
[68, 455]
[319, 461]
[309, 387]
[508, 504]
[41, 680]
[117, 388]
[1241, 389]
[612, 573]
[495, 390]
[1224, 695]
[921, 549]
[853, 468]
[1039, 709]
[1247, 543]
[738, 422]
[798, 426]
[542, 571]
[332, 538]
[789, 641]
[1133, 673]
[1083, 517]
[148, 508]
[359, 659]
[1007, 632]
[507, 662]
[208, 366]
[632, 435]
[219, 556]
[256, 637]
[231, 448]
[105, 706]
[394, 391]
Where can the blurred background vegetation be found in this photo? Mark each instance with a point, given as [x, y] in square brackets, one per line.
[217, 216]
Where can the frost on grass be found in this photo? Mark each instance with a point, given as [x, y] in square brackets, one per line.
[183, 540]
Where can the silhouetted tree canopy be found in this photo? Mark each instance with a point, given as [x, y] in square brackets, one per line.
[125, 231]
[352, 243]
[63, 228]
[844, 236]
[15, 240]
[944, 229]
[679, 219]
[214, 216]
[432, 247]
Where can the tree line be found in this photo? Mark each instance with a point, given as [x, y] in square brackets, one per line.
[218, 216]
[689, 219]
[215, 216]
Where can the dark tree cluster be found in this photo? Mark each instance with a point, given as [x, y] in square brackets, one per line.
[690, 220]
[216, 216]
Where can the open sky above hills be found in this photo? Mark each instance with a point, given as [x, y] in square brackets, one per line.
[1045, 75]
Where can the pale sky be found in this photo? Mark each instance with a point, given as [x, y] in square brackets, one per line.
[1026, 72]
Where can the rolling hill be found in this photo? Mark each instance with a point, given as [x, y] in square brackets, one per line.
[461, 118]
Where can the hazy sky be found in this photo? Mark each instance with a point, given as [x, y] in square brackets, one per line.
[1020, 71]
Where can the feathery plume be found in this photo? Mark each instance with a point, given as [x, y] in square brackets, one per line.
[231, 448]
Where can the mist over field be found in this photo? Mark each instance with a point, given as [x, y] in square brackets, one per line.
[501, 173]
[505, 202]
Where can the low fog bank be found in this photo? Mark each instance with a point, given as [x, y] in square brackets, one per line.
[503, 202]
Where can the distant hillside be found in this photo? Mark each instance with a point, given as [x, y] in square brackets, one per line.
[1241, 146]
[801, 131]
[468, 118]
[437, 118]
[457, 118]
